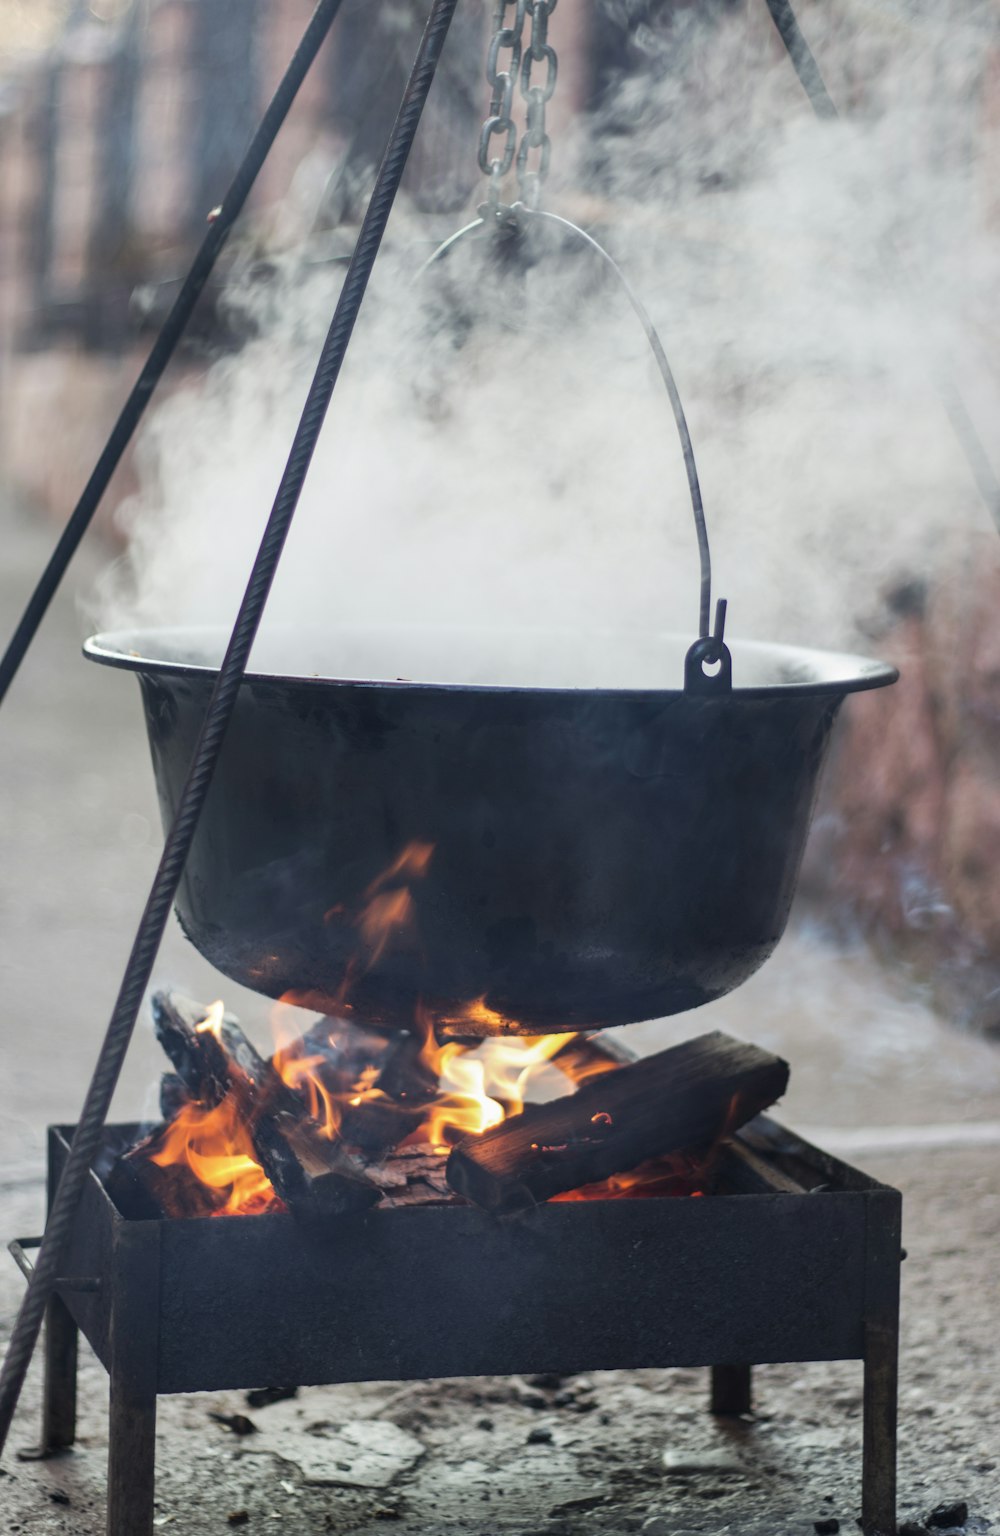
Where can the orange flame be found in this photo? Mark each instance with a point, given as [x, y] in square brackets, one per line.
[465, 1086]
[216, 1146]
[481, 1086]
[389, 904]
[387, 909]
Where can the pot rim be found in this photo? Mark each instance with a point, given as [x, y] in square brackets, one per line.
[834, 673]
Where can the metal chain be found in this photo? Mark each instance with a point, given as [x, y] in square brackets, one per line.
[518, 64]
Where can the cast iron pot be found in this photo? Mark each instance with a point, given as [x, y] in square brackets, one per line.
[520, 856]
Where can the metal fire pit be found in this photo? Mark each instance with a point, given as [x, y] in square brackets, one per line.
[798, 1261]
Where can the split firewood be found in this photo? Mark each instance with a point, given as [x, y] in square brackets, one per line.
[379, 1120]
[348, 1051]
[414, 1176]
[174, 1096]
[404, 1074]
[377, 1124]
[175, 1020]
[143, 1191]
[313, 1174]
[679, 1099]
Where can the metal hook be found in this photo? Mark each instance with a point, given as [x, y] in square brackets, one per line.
[708, 651]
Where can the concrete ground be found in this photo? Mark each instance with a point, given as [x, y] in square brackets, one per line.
[874, 1076]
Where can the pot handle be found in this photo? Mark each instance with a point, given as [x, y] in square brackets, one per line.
[710, 651]
[708, 648]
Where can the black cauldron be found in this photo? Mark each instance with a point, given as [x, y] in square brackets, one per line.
[547, 850]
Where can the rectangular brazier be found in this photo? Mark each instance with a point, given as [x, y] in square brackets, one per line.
[802, 1263]
[231, 1302]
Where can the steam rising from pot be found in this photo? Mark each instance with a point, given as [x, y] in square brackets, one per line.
[499, 450]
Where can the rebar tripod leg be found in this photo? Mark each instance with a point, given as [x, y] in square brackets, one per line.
[59, 1393]
[878, 1476]
[731, 1389]
[131, 1458]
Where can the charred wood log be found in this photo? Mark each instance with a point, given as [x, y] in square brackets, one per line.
[414, 1177]
[175, 1020]
[682, 1098]
[143, 1191]
[173, 1096]
[313, 1174]
[405, 1085]
[377, 1124]
[405, 1075]
[348, 1052]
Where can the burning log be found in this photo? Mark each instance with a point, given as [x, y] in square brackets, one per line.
[414, 1177]
[217, 1065]
[378, 1120]
[173, 1096]
[176, 1021]
[405, 1073]
[682, 1098]
[314, 1176]
[311, 1172]
[348, 1051]
[144, 1191]
[375, 1124]
[379, 1083]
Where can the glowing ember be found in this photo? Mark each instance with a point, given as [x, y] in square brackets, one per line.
[656, 1179]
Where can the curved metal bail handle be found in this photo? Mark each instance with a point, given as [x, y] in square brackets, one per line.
[520, 212]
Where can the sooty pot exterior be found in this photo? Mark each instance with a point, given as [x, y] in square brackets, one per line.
[525, 860]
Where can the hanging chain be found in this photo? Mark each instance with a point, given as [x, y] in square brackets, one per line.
[513, 58]
[537, 93]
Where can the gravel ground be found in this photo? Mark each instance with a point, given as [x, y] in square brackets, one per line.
[875, 1076]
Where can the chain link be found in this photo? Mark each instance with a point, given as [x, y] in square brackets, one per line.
[533, 64]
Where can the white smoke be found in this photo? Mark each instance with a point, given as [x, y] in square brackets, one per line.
[504, 454]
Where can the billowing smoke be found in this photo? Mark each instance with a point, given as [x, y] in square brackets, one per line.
[500, 450]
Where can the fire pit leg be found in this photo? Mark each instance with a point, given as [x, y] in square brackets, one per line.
[59, 1395]
[731, 1390]
[881, 1339]
[134, 1370]
[878, 1491]
[131, 1459]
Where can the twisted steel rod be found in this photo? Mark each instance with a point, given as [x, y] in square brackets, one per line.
[970, 443]
[166, 342]
[147, 941]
